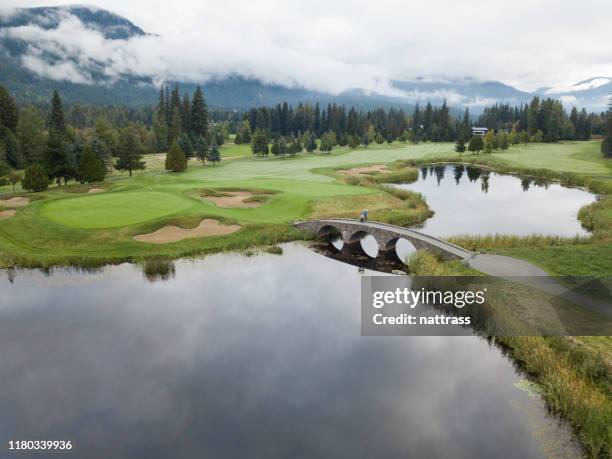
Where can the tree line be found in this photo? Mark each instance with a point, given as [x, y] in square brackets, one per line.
[546, 119]
[48, 148]
[64, 145]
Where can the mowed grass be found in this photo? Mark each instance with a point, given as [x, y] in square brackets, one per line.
[575, 157]
[157, 194]
[114, 209]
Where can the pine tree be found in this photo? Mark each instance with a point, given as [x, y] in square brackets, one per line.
[176, 161]
[513, 138]
[460, 146]
[366, 140]
[185, 143]
[175, 99]
[218, 137]
[310, 142]
[259, 143]
[489, 142]
[29, 135]
[130, 152]
[186, 113]
[201, 149]
[9, 115]
[56, 159]
[13, 154]
[162, 107]
[160, 131]
[175, 128]
[476, 144]
[213, 154]
[503, 141]
[198, 125]
[102, 152]
[282, 147]
[275, 149]
[91, 169]
[56, 121]
[464, 130]
[326, 143]
[297, 144]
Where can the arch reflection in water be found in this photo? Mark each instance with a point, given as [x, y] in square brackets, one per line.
[403, 249]
[369, 245]
[333, 236]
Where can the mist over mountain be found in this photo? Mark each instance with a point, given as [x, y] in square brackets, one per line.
[95, 56]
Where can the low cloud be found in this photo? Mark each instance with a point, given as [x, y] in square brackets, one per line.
[74, 52]
[333, 46]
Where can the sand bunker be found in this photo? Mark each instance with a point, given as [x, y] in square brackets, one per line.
[377, 168]
[7, 214]
[96, 190]
[14, 202]
[171, 233]
[233, 199]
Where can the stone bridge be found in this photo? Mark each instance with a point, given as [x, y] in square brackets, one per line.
[352, 231]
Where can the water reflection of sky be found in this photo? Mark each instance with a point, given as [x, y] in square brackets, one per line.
[478, 202]
[243, 357]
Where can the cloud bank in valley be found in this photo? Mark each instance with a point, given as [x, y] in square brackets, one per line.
[332, 46]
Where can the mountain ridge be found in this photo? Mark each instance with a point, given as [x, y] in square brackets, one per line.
[32, 69]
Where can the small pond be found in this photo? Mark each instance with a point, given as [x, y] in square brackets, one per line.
[469, 200]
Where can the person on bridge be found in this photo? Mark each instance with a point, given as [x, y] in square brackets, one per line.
[365, 215]
[361, 217]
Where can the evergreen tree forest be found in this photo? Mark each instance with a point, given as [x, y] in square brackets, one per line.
[58, 138]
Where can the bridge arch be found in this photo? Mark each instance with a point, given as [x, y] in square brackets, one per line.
[387, 236]
[399, 248]
[364, 243]
[327, 231]
[357, 236]
[332, 235]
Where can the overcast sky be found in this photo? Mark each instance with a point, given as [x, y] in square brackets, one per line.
[335, 45]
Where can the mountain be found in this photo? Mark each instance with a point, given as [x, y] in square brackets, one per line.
[38, 55]
[112, 26]
[594, 93]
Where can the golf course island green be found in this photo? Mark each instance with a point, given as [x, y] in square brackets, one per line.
[71, 225]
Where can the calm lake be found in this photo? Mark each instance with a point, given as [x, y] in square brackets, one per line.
[468, 200]
[236, 356]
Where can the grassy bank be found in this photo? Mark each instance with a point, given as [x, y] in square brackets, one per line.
[505, 241]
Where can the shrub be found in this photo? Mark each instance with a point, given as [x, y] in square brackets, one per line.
[35, 179]
[176, 161]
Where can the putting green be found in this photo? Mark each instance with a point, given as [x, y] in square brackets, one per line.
[114, 209]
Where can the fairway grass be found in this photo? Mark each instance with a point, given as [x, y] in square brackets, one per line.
[574, 157]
